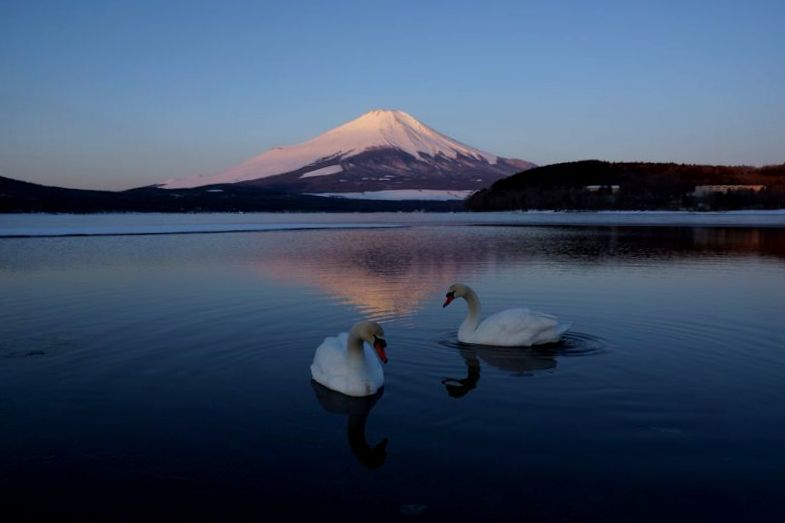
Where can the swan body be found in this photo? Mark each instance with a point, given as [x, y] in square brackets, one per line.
[345, 364]
[508, 328]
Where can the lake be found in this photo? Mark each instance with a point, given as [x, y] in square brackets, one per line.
[167, 375]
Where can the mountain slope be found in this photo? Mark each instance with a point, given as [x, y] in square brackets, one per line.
[18, 196]
[380, 150]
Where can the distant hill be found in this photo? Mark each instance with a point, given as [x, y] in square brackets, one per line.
[594, 184]
[585, 185]
[19, 196]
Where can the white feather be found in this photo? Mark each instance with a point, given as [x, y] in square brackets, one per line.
[508, 328]
[342, 370]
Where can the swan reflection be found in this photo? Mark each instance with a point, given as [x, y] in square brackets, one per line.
[357, 410]
[516, 361]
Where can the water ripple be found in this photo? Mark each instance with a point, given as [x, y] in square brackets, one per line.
[572, 344]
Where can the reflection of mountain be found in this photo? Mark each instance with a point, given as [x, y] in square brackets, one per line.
[373, 294]
[357, 410]
[391, 272]
[516, 361]
[383, 275]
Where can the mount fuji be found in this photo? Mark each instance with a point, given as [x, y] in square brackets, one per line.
[383, 154]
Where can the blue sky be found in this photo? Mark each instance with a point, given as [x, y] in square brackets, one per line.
[114, 95]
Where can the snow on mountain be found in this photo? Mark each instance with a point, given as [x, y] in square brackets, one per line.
[348, 150]
[401, 194]
[324, 171]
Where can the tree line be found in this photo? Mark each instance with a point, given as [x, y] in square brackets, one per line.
[641, 186]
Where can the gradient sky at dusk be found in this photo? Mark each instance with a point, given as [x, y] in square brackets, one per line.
[118, 94]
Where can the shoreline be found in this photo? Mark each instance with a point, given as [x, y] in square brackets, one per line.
[40, 225]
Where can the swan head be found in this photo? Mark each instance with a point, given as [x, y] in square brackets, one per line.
[372, 332]
[456, 290]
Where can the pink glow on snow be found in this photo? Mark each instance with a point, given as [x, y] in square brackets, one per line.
[375, 129]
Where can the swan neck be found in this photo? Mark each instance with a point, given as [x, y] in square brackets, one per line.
[355, 430]
[355, 343]
[473, 316]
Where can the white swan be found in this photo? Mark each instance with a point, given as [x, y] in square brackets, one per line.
[344, 364]
[510, 328]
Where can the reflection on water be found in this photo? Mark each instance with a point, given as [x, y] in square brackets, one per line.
[458, 388]
[597, 243]
[663, 402]
[383, 275]
[356, 410]
[377, 293]
[389, 274]
[515, 361]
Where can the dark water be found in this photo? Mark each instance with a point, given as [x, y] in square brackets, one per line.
[167, 376]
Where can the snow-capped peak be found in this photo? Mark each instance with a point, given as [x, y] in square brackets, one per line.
[399, 130]
[377, 129]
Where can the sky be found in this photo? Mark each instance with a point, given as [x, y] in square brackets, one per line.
[116, 94]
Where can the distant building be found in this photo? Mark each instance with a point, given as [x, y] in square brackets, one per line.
[598, 188]
[705, 190]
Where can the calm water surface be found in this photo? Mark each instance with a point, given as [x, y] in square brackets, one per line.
[148, 376]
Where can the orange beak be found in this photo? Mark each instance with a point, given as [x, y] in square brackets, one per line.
[379, 345]
[450, 296]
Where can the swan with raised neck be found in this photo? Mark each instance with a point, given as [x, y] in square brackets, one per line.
[509, 328]
[472, 320]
